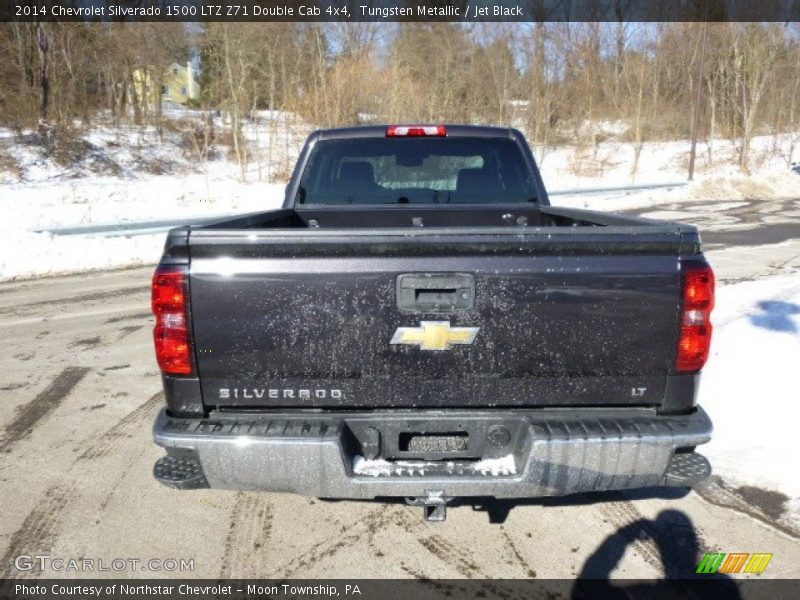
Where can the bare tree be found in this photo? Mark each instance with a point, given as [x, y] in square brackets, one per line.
[755, 48]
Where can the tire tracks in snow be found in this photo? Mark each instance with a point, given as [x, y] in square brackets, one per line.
[40, 528]
[20, 308]
[41, 406]
[621, 514]
[124, 428]
[349, 536]
[458, 558]
[529, 571]
[463, 561]
[248, 532]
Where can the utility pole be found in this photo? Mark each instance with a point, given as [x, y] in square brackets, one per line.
[697, 100]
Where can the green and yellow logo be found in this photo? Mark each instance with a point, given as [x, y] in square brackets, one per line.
[734, 562]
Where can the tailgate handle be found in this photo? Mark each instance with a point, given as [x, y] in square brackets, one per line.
[435, 292]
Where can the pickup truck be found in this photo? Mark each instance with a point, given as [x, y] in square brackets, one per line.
[417, 321]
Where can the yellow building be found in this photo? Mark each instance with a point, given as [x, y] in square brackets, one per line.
[179, 84]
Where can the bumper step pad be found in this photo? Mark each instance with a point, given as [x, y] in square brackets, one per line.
[180, 470]
[686, 469]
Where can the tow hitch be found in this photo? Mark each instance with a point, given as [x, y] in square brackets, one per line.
[434, 504]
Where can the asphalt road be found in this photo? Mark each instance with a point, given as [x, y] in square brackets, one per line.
[80, 389]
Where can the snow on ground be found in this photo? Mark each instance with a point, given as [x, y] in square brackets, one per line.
[725, 191]
[610, 163]
[750, 385]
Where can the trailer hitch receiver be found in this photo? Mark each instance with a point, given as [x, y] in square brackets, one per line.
[434, 504]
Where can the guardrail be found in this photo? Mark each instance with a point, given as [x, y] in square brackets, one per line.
[624, 188]
[128, 228]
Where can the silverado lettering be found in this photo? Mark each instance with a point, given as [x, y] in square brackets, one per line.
[274, 393]
[421, 323]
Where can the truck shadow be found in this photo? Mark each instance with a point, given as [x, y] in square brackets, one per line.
[673, 537]
[669, 543]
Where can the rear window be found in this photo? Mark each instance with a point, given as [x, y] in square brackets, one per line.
[430, 170]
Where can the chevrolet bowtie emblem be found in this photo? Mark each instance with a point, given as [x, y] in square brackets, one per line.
[434, 335]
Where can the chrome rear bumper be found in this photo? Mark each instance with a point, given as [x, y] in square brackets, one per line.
[536, 452]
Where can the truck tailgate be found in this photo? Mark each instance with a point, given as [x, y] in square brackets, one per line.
[558, 319]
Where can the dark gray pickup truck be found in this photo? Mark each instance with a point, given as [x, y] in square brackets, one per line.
[417, 321]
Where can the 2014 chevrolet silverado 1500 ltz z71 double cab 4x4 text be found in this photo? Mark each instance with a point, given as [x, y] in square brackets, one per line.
[418, 322]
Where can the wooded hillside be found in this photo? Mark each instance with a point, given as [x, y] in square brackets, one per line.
[656, 81]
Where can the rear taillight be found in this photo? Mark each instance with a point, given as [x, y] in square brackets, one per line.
[170, 306]
[698, 300]
[416, 131]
